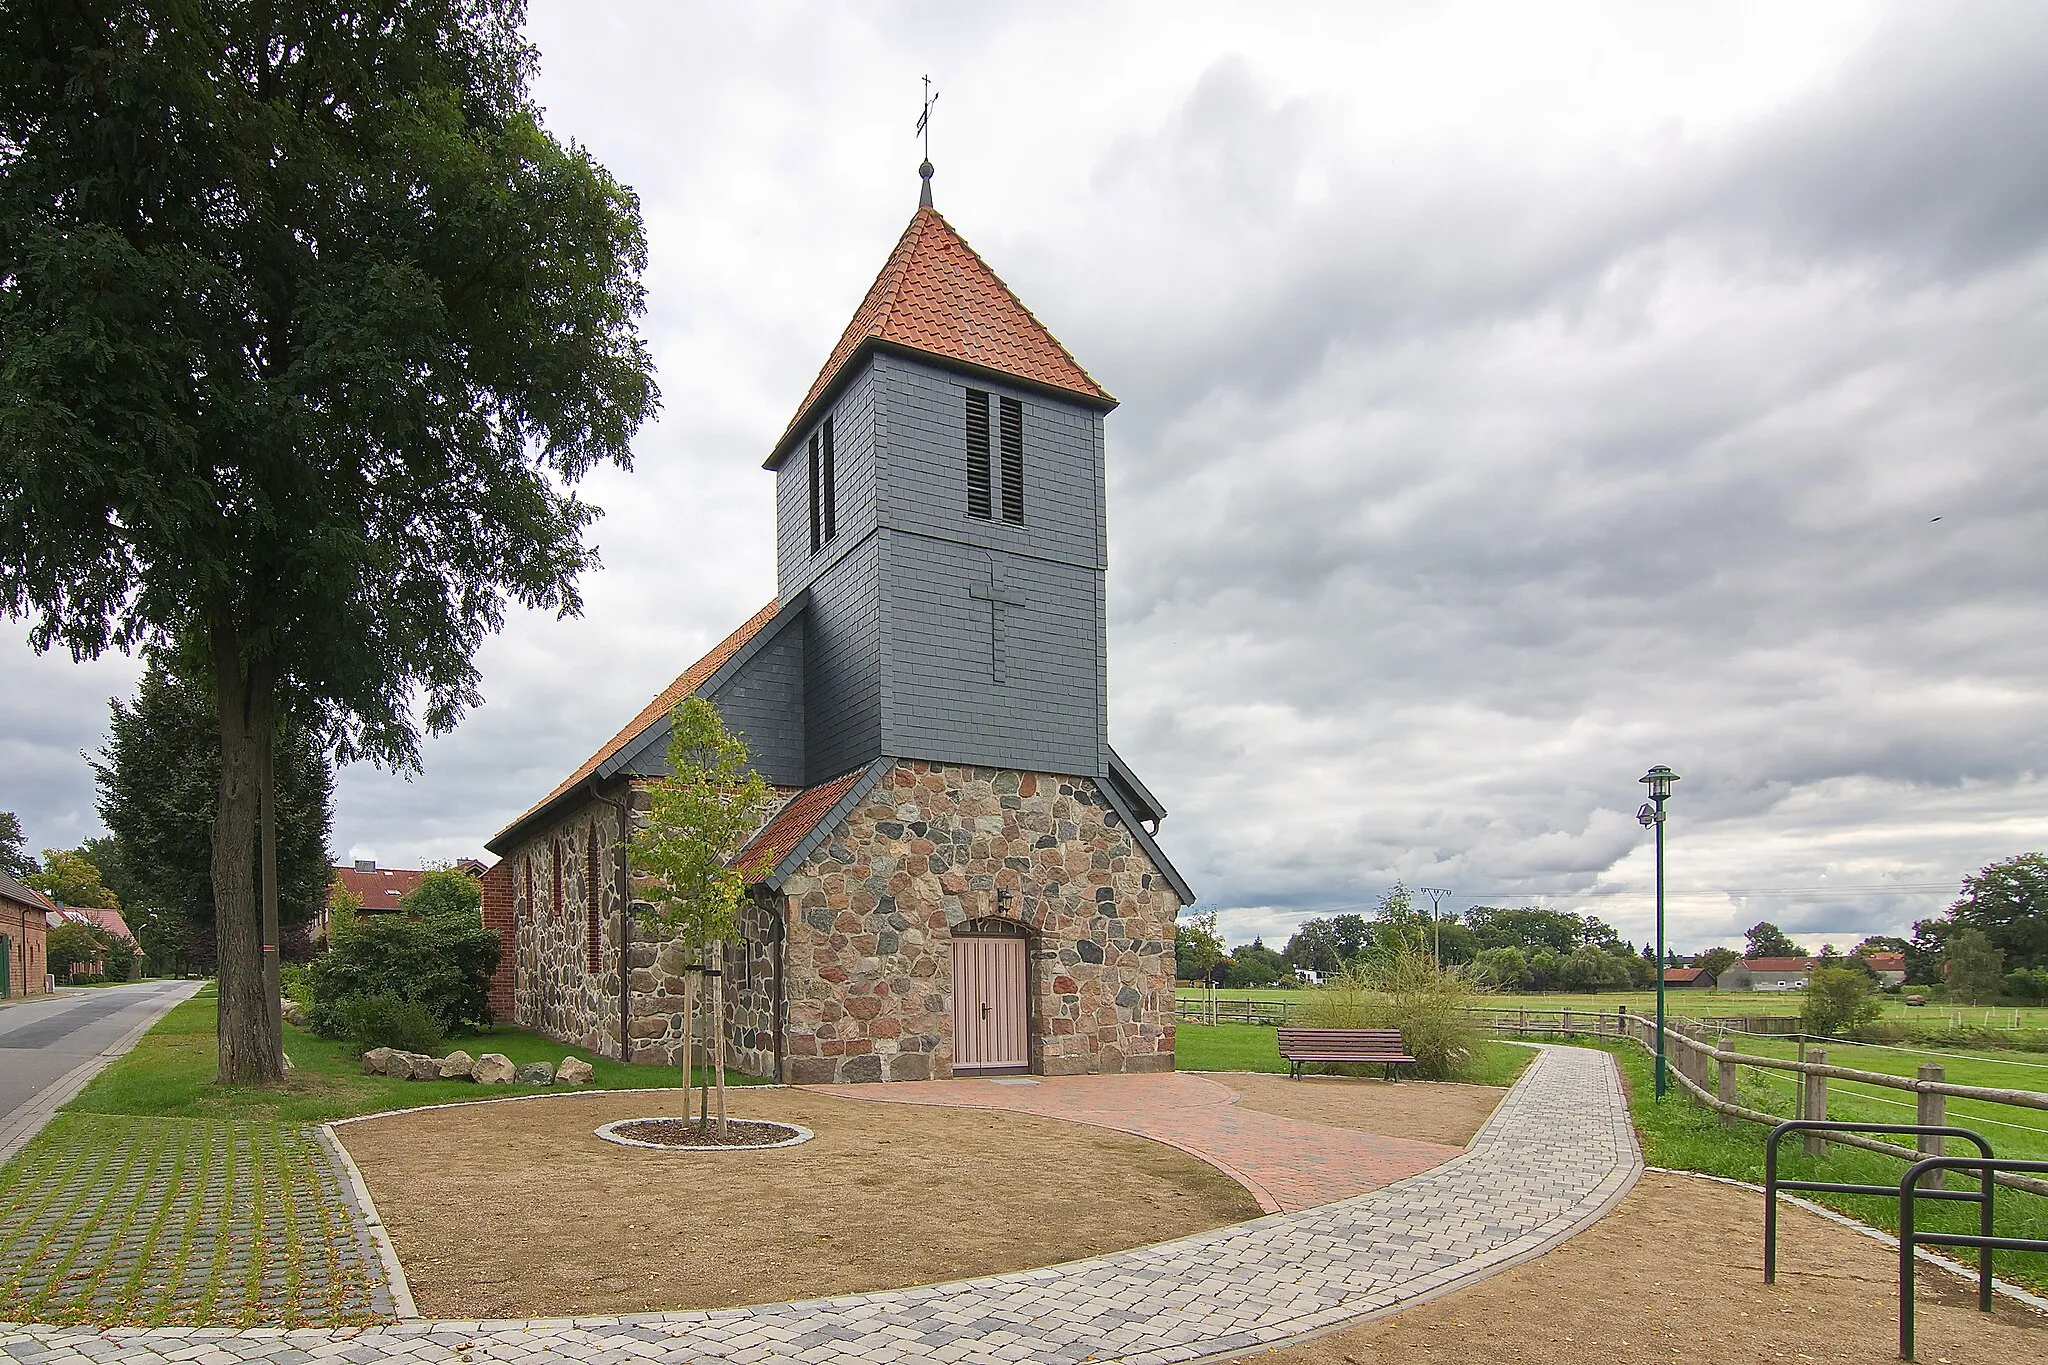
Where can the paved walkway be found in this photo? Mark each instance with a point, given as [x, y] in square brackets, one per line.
[1287, 1164]
[1555, 1156]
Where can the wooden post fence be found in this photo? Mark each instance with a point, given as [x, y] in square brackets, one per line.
[1933, 1111]
[1724, 1082]
[1813, 1091]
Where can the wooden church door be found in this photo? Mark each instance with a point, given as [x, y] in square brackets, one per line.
[991, 1033]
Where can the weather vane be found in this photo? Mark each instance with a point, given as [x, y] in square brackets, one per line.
[924, 130]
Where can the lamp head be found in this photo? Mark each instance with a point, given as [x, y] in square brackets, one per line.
[1659, 780]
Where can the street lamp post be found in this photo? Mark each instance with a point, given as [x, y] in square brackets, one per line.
[1651, 816]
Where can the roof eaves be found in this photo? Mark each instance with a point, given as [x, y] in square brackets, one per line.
[1146, 842]
[829, 821]
[1142, 800]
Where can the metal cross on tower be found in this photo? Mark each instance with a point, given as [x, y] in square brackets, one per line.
[924, 130]
[998, 595]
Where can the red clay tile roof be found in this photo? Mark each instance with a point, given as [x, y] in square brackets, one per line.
[692, 678]
[1886, 962]
[936, 295]
[378, 890]
[1777, 964]
[1683, 974]
[790, 824]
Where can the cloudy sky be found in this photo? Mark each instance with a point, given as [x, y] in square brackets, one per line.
[1511, 401]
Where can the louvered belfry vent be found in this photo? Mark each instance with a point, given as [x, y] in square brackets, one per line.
[816, 538]
[1013, 462]
[979, 502]
[831, 497]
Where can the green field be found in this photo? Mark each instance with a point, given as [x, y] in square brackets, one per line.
[1701, 1004]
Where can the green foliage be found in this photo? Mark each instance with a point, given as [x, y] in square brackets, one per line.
[1973, 966]
[2006, 902]
[1715, 961]
[1532, 928]
[159, 790]
[308, 327]
[1196, 947]
[1501, 969]
[1323, 946]
[1404, 988]
[15, 859]
[388, 1020]
[2027, 983]
[445, 895]
[1768, 940]
[69, 879]
[295, 980]
[343, 908]
[1589, 969]
[70, 942]
[445, 967]
[1839, 1000]
[698, 819]
[1255, 964]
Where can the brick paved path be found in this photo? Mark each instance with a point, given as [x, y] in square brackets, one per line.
[1555, 1155]
[1287, 1164]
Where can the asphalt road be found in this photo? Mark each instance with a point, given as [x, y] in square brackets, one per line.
[40, 1040]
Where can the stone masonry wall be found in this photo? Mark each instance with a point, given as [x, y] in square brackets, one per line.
[557, 989]
[869, 952]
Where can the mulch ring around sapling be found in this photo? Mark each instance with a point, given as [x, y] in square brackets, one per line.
[687, 1134]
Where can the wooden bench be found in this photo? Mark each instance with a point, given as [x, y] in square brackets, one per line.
[1371, 1046]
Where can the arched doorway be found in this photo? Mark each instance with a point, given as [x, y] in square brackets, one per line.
[991, 1023]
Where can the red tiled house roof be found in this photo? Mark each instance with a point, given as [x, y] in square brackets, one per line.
[379, 889]
[1683, 974]
[935, 295]
[790, 824]
[1886, 962]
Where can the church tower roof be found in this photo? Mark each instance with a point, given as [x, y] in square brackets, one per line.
[938, 298]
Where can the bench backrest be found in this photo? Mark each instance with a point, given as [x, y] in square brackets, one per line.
[1376, 1040]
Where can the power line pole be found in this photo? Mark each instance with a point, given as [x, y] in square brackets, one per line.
[1436, 896]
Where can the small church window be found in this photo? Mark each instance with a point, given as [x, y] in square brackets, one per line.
[1013, 462]
[978, 483]
[816, 526]
[831, 498]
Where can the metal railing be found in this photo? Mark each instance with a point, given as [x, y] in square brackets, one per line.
[1910, 1237]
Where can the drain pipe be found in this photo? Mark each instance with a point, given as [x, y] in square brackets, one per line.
[625, 814]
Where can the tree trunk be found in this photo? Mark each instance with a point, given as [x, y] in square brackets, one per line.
[251, 1052]
[718, 1034]
[704, 1069]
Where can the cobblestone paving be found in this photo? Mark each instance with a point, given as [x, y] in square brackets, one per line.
[1287, 1164]
[1556, 1154]
[115, 1218]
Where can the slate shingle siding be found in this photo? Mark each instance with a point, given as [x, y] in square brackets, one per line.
[764, 703]
[853, 451]
[843, 665]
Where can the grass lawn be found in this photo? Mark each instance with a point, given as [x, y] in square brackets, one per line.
[1255, 1047]
[170, 1073]
[1687, 1136]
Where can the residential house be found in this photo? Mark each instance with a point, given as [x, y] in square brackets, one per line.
[24, 939]
[1767, 974]
[1890, 967]
[1687, 979]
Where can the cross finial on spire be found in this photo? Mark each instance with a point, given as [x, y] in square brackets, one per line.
[924, 130]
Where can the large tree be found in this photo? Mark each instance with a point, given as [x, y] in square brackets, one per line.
[307, 328]
[15, 859]
[159, 785]
[1768, 940]
[2007, 902]
[69, 878]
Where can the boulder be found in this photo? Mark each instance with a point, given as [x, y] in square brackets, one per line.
[398, 1065]
[424, 1068]
[536, 1073]
[574, 1071]
[293, 1013]
[456, 1066]
[374, 1060]
[493, 1068]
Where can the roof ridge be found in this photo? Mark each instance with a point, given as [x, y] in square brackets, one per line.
[1022, 306]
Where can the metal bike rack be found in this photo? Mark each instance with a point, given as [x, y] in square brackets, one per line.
[1772, 1184]
[1910, 1191]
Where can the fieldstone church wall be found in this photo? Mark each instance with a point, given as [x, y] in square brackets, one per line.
[869, 952]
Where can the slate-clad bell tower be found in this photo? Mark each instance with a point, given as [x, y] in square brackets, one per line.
[940, 506]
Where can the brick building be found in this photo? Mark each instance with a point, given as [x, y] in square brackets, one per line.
[24, 939]
[965, 876]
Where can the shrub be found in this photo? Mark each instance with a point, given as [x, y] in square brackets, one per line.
[295, 982]
[1400, 986]
[386, 1020]
[444, 966]
[1838, 1001]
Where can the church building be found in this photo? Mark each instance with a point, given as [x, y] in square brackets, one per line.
[966, 879]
